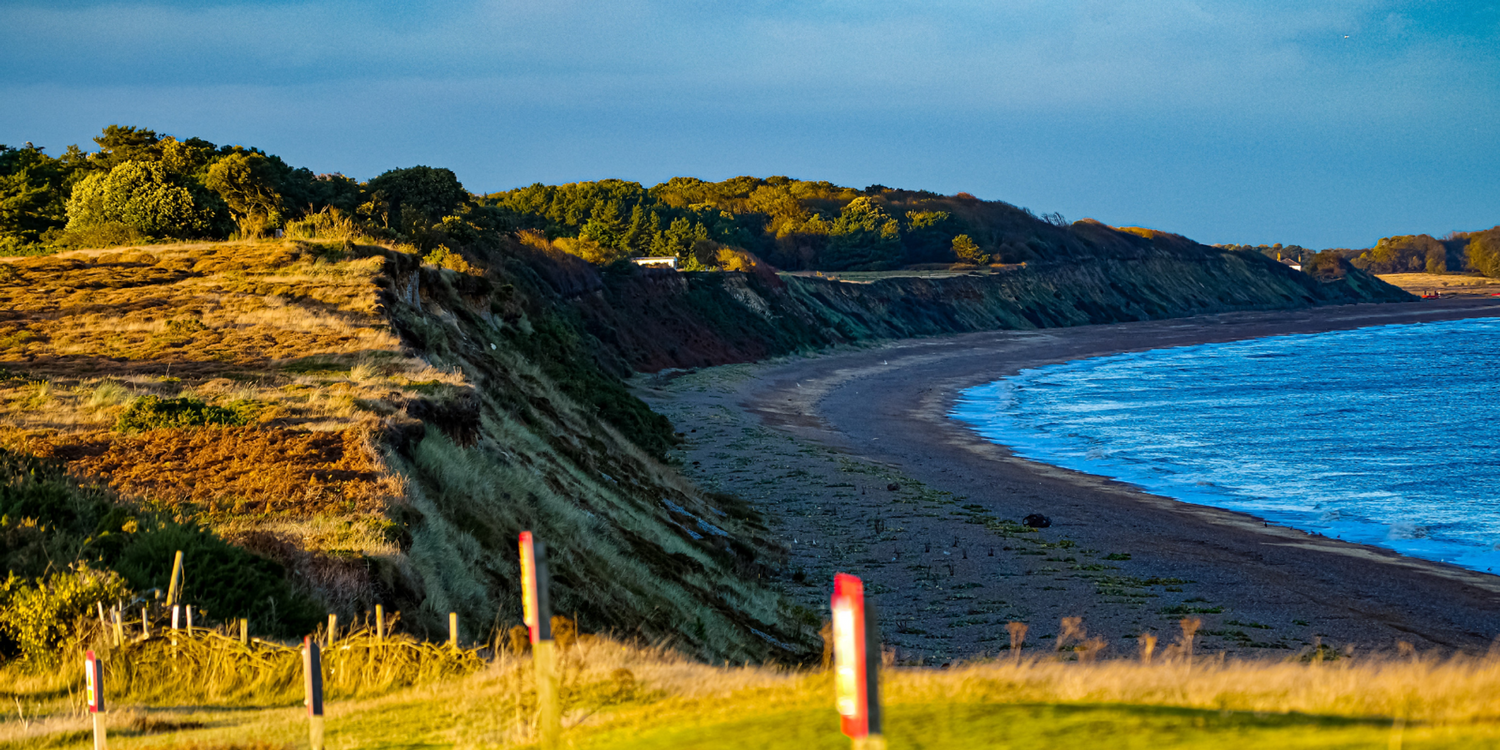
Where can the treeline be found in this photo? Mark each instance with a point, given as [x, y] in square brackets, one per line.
[793, 224]
[140, 186]
[1459, 252]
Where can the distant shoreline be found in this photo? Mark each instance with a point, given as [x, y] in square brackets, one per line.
[890, 405]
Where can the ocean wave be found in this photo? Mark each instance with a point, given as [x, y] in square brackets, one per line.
[1377, 435]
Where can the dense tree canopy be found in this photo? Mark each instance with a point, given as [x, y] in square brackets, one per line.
[144, 196]
[793, 224]
[417, 197]
[140, 185]
[248, 184]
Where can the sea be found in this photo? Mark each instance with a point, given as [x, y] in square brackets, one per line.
[1388, 436]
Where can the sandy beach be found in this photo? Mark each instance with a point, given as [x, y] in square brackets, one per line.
[858, 468]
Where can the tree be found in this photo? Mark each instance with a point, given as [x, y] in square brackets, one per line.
[418, 194]
[863, 237]
[968, 251]
[119, 144]
[32, 195]
[1483, 252]
[247, 183]
[145, 197]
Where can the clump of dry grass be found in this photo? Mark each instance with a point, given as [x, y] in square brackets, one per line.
[211, 668]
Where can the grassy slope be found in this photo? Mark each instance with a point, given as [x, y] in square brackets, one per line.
[410, 421]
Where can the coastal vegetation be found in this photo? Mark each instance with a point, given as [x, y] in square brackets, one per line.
[1458, 252]
[334, 396]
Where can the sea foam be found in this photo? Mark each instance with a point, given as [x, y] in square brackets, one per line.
[1383, 436]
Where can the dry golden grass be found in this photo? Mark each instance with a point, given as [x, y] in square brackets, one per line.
[292, 328]
[260, 470]
[1447, 284]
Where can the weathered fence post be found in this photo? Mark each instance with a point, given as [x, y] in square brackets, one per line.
[93, 673]
[333, 628]
[174, 587]
[537, 609]
[145, 624]
[856, 659]
[103, 624]
[379, 622]
[453, 629]
[312, 683]
[119, 628]
[190, 620]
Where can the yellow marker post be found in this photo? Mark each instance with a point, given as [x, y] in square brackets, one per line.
[453, 629]
[333, 629]
[536, 606]
[379, 622]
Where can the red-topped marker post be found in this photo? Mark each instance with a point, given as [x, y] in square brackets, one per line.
[93, 673]
[536, 607]
[856, 661]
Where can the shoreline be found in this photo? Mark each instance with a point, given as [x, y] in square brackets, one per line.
[1032, 433]
[1125, 560]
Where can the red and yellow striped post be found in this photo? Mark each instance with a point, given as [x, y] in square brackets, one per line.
[536, 608]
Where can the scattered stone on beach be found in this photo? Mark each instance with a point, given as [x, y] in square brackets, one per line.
[1037, 521]
[893, 487]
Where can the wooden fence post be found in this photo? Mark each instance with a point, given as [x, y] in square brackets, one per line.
[145, 624]
[453, 629]
[245, 632]
[119, 628]
[537, 607]
[333, 628]
[103, 624]
[379, 622]
[312, 683]
[190, 620]
[174, 588]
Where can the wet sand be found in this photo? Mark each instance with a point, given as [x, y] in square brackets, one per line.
[852, 457]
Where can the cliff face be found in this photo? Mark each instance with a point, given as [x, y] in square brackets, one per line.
[651, 319]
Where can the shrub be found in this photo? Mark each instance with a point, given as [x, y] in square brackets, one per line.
[40, 616]
[156, 413]
[47, 519]
[442, 257]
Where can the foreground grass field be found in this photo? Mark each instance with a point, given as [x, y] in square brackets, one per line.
[619, 696]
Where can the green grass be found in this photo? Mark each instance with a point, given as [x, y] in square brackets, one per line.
[976, 725]
[419, 719]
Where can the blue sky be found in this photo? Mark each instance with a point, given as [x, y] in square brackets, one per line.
[1318, 123]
